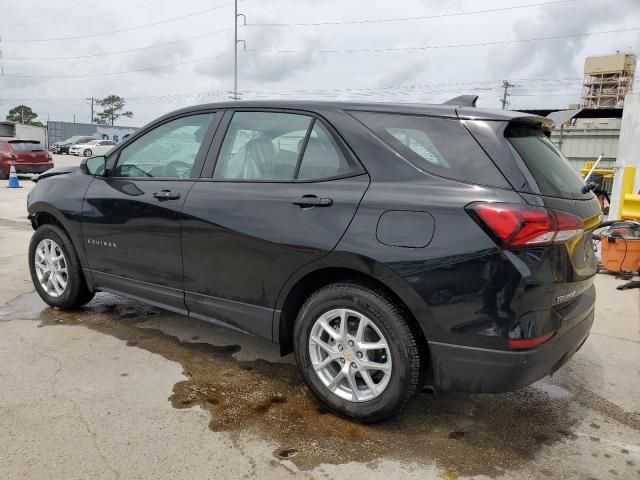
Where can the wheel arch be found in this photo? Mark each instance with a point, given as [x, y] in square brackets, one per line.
[304, 283]
[42, 213]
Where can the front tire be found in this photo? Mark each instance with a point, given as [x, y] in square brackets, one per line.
[55, 269]
[88, 152]
[358, 352]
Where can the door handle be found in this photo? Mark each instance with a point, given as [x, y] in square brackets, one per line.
[166, 195]
[307, 201]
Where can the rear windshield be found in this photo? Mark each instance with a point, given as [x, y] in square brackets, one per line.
[550, 169]
[437, 145]
[26, 146]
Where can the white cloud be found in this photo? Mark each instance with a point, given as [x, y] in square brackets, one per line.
[438, 73]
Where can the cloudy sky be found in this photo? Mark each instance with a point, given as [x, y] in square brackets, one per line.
[163, 54]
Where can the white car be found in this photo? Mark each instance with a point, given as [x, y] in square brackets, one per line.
[94, 147]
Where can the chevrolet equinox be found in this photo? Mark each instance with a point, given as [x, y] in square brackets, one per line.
[388, 246]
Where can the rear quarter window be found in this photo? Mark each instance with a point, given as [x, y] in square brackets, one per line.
[437, 145]
[552, 172]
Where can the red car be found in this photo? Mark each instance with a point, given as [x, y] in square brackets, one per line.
[28, 156]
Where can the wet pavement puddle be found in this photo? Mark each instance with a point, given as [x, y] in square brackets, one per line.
[465, 434]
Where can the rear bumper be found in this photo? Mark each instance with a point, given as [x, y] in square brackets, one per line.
[482, 370]
[23, 167]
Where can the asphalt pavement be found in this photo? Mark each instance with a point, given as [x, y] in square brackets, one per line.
[122, 390]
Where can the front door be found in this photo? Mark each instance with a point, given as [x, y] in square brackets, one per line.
[281, 195]
[131, 217]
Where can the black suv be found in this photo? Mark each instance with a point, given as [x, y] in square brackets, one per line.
[388, 246]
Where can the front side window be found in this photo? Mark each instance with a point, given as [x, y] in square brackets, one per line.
[262, 146]
[167, 151]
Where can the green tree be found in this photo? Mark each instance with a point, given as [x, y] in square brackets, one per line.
[23, 114]
[112, 109]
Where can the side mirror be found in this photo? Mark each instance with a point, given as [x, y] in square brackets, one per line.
[96, 166]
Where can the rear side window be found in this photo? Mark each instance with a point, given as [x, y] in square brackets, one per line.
[550, 169]
[26, 146]
[322, 157]
[437, 145]
[274, 146]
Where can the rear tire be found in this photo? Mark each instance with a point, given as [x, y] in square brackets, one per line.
[55, 269]
[393, 345]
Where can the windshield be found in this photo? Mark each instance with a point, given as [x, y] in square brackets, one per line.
[26, 146]
[550, 169]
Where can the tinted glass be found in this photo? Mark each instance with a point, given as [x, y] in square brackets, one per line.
[322, 157]
[262, 146]
[24, 146]
[550, 169]
[167, 151]
[436, 145]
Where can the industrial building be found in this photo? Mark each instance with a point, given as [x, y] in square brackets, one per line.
[585, 131]
[607, 80]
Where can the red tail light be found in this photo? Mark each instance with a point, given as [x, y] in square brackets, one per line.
[515, 225]
[530, 342]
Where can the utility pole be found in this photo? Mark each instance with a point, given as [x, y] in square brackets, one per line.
[22, 114]
[91, 100]
[505, 96]
[235, 47]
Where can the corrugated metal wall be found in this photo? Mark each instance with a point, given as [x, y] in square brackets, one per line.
[584, 145]
[59, 131]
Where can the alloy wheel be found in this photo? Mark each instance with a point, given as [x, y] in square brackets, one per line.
[51, 267]
[350, 355]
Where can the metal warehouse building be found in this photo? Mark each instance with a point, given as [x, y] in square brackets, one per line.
[584, 134]
[59, 131]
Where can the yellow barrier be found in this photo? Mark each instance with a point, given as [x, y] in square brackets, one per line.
[605, 172]
[588, 165]
[630, 209]
[628, 178]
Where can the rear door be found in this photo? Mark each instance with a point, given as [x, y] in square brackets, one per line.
[279, 194]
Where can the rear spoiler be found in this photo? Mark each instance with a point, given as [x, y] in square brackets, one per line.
[463, 101]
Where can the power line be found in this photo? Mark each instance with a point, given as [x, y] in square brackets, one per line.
[119, 52]
[459, 45]
[129, 29]
[483, 85]
[353, 50]
[405, 19]
[121, 72]
[87, 17]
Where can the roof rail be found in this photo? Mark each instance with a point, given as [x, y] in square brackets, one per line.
[463, 101]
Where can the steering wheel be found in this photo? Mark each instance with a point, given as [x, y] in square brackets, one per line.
[177, 169]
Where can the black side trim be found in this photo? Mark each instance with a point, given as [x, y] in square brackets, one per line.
[240, 316]
[157, 295]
